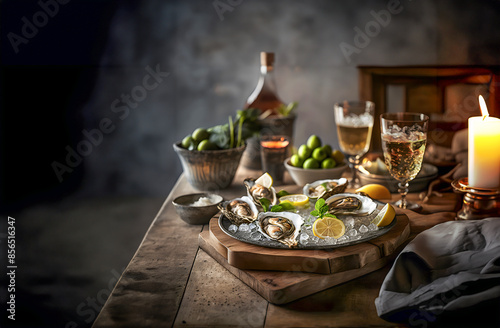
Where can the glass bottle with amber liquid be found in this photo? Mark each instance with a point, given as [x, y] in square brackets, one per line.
[265, 98]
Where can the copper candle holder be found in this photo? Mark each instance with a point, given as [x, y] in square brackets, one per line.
[478, 203]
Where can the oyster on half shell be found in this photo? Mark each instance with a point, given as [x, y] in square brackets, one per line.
[283, 227]
[239, 210]
[256, 192]
[324, 188]
[352, 204]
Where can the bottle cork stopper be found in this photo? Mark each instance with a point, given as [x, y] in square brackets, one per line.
[266, 58]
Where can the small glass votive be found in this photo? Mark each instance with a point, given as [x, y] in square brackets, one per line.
[273, 151]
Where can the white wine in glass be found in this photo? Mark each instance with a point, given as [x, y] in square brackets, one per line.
[354, 120]
[404, 137]
[354, 140]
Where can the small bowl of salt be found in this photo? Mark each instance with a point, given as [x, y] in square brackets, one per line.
[197, 208]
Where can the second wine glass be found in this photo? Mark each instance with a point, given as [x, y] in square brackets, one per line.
[354, 120]
[404, 136]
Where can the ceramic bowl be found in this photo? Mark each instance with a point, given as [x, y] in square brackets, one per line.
[302, 176]
[209, 169]
[192, 214]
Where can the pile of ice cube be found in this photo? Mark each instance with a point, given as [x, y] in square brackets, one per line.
[365, 119]
[407, 133]
[357, 227]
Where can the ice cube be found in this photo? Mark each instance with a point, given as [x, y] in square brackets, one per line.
[252, 226]
[398, 136]
[363, 229]
[303, 237]
[256, 235]
[232, 228]
[330, 240]
[320, 241]
[349, 223]
[244, 227]
[342, 239]
[372, 227]
[366, 119]
[309, 219]
[352, 233]
[395, 128]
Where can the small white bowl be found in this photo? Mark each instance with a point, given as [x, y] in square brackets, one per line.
[302, 176]
[192, 214]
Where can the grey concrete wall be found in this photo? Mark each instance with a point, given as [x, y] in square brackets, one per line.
[210, 51]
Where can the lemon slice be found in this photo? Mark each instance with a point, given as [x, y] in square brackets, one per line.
[328, 227]
[265, 180]
[375, 191]
[295, 199]
[385, 216]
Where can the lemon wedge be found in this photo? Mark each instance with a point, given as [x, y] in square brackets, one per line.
[375, 191]
[385, 216]
[328, 227]
[295, 199]
[265, 180]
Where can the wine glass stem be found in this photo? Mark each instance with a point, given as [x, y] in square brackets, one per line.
[403, 191]
[353, 164]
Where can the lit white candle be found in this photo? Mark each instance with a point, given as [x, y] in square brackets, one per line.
[484, 149]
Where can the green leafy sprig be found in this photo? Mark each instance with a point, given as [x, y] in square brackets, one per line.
[266, 206]
[234, 133]
[231, 132]
[286, 110]
[282, 193]
[321, 209]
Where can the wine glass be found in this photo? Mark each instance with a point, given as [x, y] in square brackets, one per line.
[354, 120]
[404, 136]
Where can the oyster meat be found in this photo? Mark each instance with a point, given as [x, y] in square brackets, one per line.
[350, 204]
[256, 192]
[325, 188]
[239, 210]
[283, 227]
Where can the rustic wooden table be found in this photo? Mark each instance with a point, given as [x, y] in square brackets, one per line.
[170, 281]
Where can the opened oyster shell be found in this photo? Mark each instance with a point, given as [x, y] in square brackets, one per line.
[350, 204]
[239, 210]
[256, 192]
[324, 188]
[283, 227]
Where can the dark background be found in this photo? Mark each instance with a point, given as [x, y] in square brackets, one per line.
[90, 53]
[44, 87]
[67, 76]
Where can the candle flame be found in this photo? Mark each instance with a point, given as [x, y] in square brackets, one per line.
[484, 109]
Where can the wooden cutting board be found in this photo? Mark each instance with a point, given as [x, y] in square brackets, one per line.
[252, 257]
[282, 276]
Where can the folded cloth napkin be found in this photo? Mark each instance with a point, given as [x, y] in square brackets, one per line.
[449, 271]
